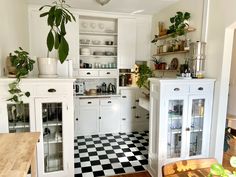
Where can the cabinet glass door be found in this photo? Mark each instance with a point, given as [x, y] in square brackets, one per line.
[52, 136]
[196, 130]
[174, 136]
[18, 117]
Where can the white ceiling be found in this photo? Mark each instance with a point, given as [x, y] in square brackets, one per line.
[123, 6]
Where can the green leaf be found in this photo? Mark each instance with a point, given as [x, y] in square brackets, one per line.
[51, 20]
[187, 15]
[50, 40]
[172, 19]
[58, 15]
[44, 6]
[43, 14]
[63, 30]
[63, 50]
[217, 169]
[57, 40]
[27, 94]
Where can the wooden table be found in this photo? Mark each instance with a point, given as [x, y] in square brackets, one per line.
[192, 173]
[17, 153]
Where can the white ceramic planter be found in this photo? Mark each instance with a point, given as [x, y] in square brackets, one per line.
[47, 67]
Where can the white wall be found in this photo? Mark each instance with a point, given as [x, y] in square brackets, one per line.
[221, 15]
[13, 28]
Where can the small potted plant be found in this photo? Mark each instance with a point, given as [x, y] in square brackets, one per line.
[179, 24]
[159, 64]
[58, 16]
[23, 64]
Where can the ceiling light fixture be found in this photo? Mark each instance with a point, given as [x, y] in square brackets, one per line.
[103, 2]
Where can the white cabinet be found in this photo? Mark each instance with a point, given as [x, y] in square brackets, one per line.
[133, 117]
[97, 115]
[180, 119]
[49, 110]
[143, 37]
[126, 42]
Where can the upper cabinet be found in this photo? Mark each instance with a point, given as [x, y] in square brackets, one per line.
[143, 37]
[126, 42]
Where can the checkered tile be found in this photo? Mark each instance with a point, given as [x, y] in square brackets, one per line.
[110, 154]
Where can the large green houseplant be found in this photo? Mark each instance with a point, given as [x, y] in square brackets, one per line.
[58, 16]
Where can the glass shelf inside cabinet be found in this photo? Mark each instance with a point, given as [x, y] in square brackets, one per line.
[175, 116]
[18, 117]
[52, 136]
[196, 131]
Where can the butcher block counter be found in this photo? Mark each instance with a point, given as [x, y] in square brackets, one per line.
[17, 153]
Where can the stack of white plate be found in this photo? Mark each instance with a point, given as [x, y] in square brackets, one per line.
[85, 51]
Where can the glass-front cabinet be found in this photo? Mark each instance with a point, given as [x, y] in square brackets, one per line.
[50, 118]
[180, 120]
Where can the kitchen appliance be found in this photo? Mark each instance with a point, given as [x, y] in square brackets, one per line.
[104, 87]
[197, 59]
[111, 88]
[79, 88]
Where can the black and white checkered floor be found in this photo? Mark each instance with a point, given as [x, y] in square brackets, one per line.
[110, 154]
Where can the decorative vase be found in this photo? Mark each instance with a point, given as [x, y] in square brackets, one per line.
[47, 67]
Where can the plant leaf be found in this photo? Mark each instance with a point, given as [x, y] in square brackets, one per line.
[43, 14]
[217, 169]
[57, 40]
[63, 49]
[50, 40]
[58, 15]
[63, 30]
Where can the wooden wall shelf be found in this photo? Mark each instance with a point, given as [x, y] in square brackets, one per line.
[171, 53]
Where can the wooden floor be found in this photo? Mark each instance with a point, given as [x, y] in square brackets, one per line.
[138, 174]
[227, 155]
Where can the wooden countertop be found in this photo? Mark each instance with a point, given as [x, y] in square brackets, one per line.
[17, 152]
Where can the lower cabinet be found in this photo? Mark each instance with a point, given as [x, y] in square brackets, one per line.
[51, 114]
[133, 117]
[97, 115]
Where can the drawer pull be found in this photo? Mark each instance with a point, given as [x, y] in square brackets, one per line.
[134, 107]
[124, 97]
[124, 119]
[51, 90]
[137, 117]
[187, 129]
[176, 89]
[88, 73]
[99, 118]
[76, 119]
[89, 102]
[200, 88]
[108, 73]
[109, 102]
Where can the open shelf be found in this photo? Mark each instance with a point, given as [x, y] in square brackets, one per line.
[98, 33]
[100, 56]
[92, 45]
[18, 125]
[171, 53]
[191, 29]
[52, 123]
[165, 70]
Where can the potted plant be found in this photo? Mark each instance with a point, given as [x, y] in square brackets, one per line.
[158, 64]
[144, 72]
[179, 24]
[23, 64]
[58, 16]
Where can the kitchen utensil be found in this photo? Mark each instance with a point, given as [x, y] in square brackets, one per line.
[104, 87]
[79, 87]
[109, 42]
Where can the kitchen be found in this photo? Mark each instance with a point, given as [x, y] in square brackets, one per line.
[12, 43]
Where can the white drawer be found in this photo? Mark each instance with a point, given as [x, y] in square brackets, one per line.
[200, 88]
[51, 90]
[89, 102]
[108, 73]
[88, 73]
[177, 89]
[108, 101]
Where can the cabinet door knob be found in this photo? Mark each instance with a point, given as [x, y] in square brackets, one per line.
[88, 73]
[124, 97]
[137, 101]
[99, 118]
[89, 102]
[108, 73]
[176, 89]
[200, 88]
[124, 119]
[51, 90]
[109, 102]
[187, 129]
[137, 117]
[76, 119]
[134, 107]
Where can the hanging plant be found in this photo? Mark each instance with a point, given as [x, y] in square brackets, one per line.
[144, 73]
[179, 23]
[23, 65]
[58, 16]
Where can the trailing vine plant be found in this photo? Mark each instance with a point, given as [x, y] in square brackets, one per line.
[58, 16]
[23, 64]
